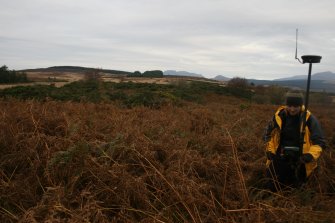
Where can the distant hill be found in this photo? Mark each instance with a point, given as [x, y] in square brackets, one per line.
[75, 69]
[316, 85]
[324, 81]
[296, 77]
[221, 78]
[181, 73]
[326, 76]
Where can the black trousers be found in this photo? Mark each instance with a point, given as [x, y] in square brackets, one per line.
[284, 173]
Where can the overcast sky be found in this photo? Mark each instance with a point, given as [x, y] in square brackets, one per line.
[251, 39]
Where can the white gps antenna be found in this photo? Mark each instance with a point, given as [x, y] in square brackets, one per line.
[306, 58]
[296, 46]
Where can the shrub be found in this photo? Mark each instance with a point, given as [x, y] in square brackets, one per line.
[7, 76]
[276, 94]
[147, 99]
[239, 87]
[320, 98]
[261, 99]
[238, 82]
[93, 75]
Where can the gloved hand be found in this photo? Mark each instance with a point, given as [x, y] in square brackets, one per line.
[270, 155]
[306, 158]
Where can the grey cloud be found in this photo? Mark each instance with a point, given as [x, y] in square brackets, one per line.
[255, 37]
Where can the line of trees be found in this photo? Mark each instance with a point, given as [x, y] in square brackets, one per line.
[11, 76]
[151, 73]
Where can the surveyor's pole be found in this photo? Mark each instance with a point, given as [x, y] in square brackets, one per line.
[307, 59]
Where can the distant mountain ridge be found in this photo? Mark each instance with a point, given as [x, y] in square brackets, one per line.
[181, 73]
[326, 76]
[323, 81]
[189, 74]
[221, 78]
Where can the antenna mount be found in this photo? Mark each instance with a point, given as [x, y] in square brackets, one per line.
[311, 59]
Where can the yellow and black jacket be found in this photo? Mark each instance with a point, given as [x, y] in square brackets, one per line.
[313, 140]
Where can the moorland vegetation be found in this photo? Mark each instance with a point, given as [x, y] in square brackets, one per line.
[93, 151]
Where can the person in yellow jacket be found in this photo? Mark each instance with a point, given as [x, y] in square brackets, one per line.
[286, 165]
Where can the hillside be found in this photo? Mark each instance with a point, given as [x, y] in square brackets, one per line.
[75, 69]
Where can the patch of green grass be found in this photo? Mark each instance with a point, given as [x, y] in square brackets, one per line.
[28, 92]
[128, 94]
